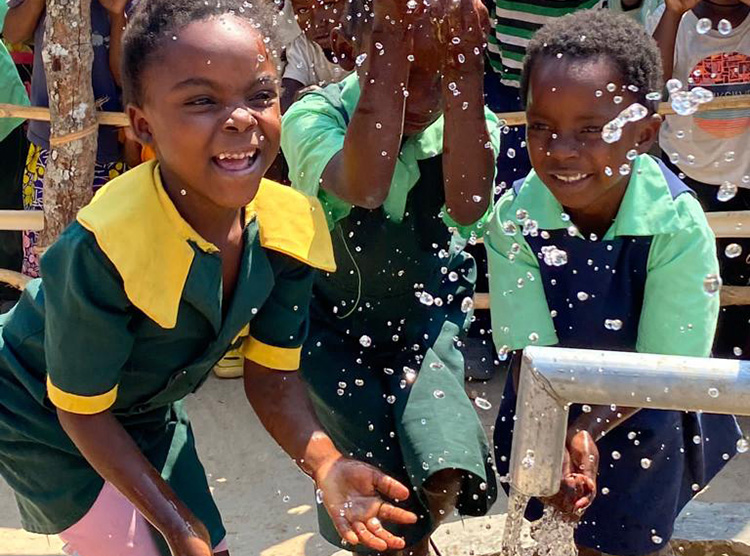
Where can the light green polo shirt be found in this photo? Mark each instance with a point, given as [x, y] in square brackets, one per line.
[313, 131]
[677, 318]
[12, 90]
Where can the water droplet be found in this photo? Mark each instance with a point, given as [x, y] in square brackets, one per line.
[426, 299]
[712, 284]
[391, 399]
[632, 154]
[528, 460]
[412, 4]
[453, 276]
[729, 156]
[510, 228]
[410, 375]
[713, 392]
[613, 324]
[733, 250]
[656, 539]
[696, 439]
[645, 463]
[737, 351]
[482, 403]
[586, 408]
[554, 256]
[611, 87]
[438, 394]
[724, 27]
[674, 85]
[624, 169]
[533, 337]
[511, 153]
[727, 192]
[318, 496]
[285, 499]
[616, 455]
[582, 296]
[612, 131]
[703, 26]
[522, 214]
[467, 304]
[365, 341]
[605, 491]
[359, 60]
[476, 198]
[743, 446]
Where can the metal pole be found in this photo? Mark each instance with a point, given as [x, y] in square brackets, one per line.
[552, 378]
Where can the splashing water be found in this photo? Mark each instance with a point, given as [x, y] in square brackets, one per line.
[552, 535]
[703, 26]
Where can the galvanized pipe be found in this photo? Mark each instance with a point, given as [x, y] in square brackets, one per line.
[552, 378]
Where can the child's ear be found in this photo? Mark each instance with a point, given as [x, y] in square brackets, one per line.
[139, 124]
[648, 133]
[343, 49]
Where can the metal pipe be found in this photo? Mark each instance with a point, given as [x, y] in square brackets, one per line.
[552, 378]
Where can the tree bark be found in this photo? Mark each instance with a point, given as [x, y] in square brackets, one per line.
[68, 55]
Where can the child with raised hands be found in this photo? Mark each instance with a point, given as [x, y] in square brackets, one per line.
[401, 154]
[170, 265]
[601, 246]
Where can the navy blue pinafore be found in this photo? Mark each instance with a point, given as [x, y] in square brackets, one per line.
[636, 515]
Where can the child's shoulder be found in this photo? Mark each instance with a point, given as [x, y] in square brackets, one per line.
[294, 224]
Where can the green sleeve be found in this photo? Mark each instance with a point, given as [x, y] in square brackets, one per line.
[280, 328]
[678, 316]
[87, 339]
[477, 228]
[518, 305]
[312, 132]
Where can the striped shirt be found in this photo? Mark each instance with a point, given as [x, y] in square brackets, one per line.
[516, 22]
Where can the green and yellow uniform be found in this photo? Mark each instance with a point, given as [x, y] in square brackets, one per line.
[381, 362]
[128, 317]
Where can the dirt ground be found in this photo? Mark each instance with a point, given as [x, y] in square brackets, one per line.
[268, 504]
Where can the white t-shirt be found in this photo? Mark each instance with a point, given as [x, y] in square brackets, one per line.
[713, 147]
[306, 63]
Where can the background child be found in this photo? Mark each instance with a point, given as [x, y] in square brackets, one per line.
[396, 167]
[26, 19]
[711, 149]
[310, 56]
[168, 267]
[613, 255]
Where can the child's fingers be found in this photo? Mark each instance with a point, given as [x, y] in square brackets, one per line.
[344, 530]
[393, 514]
[389, 487]
[376, 528]
[367, 538]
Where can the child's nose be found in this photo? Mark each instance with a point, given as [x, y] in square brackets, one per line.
[240, 120]
[563, 147]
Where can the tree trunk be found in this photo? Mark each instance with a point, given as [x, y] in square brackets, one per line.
[68, 55]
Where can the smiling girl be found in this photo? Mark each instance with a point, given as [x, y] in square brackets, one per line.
[169, 266]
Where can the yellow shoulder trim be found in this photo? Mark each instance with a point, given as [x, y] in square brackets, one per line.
[83, 405]
[142, 233]
[293, 224]
[278, 358]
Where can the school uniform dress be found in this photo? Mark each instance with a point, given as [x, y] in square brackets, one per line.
[128, 317]
[381, 361]
[639, 288]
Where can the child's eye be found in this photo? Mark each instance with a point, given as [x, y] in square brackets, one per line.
[263, 97]
[537, 126]
[592, 129]
[202, 101]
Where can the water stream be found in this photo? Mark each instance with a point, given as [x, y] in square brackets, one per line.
[552, 535]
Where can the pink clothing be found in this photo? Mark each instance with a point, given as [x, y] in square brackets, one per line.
[113, 527]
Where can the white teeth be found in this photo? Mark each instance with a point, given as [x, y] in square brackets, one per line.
[236, 156]
[572, 178]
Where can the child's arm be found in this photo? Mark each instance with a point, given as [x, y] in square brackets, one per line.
[289, 90]
[468, 158]
[353, 492]
[114, 455]
[22, 19]
[117, 22]
[361, 172]
[666, 32]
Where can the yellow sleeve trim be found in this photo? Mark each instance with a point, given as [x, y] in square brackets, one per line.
[293, 224]
[278, 358]
[83, 405]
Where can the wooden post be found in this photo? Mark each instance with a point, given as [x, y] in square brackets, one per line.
[68, 55]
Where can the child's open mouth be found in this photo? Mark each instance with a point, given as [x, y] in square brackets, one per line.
[236, 161]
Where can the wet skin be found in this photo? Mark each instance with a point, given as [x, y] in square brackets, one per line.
[564, 135]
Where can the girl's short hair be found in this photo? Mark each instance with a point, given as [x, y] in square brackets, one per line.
[156, 21]
[596, 33]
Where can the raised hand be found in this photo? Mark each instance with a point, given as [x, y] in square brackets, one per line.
[578, 486]
[464, 27]
[680, 6]
[354, 494]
